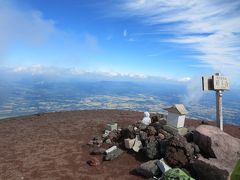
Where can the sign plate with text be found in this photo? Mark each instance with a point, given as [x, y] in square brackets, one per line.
[220, 83]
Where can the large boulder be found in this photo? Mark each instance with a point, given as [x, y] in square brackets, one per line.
[215, 143]
[210, 169]
[179, 152]
[148, 169]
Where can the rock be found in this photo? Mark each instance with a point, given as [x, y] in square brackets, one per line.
[106, 133]
[113, 136]
[151, 149]
[93, 162]
[179, 152]
[165, 133]
[113, 154]
[148, 169]
[108, 141]
[196, 149]
[128, 132]
[163, 166]
[111, 127]
[137, 144]
[210, 169]
[189, 136]
[98, 151]
[109, 150]
[162, 146]
[215, 143]
[154, 119]
[161, 136]
[97, 140]
[141, 126]
[129, 143]
[143, 136]
[151, 131]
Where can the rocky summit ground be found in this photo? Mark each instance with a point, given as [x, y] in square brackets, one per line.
[54, 145]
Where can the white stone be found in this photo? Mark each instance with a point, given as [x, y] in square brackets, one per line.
[137, 145]
[163, 166]
[129, 143]
[111, 127]
[111, 149]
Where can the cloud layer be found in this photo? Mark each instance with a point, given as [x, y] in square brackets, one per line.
[211, 29]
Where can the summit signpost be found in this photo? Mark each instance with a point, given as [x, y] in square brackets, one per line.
[216, 83]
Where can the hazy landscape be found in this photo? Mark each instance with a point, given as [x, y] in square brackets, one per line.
[38, 95]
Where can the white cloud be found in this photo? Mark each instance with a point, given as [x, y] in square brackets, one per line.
[210, 28]
[52, 71]
[23, 26]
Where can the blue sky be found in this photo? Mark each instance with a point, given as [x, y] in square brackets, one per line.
[171, 40]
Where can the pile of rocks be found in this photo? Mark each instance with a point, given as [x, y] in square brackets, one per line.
[155, 142]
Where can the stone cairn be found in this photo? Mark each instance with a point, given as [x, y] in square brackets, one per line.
[153, 142]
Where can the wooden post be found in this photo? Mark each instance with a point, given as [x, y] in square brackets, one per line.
[219, 116]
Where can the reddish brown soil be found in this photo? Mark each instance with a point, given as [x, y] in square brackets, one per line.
[53, 146]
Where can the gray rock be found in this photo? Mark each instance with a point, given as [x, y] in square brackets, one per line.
[141, 126]
[128, 133]
[196, 149]
[151, 150]
[143, 136]
[108, 141]
[215, 143]
[148, 169]
[210, 169]
[113, 155]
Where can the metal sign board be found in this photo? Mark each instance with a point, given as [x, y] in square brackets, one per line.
[207, 83]
[220, 83]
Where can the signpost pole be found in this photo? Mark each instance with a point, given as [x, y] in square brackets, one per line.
[219, 116]
[216, 83]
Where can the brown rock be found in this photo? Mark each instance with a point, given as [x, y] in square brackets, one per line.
[161, 136]
[151, 131]
[210, 169]
[93, 162]
[179, 152]
[215, 143]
